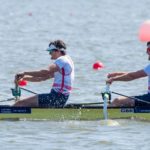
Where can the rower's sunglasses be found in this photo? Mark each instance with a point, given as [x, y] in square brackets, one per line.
[148, 50]
[50, 52]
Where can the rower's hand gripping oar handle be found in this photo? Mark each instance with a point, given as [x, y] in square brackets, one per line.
[16, 92]
[106, 94]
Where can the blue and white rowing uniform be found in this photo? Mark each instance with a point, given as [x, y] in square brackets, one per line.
[145, 97]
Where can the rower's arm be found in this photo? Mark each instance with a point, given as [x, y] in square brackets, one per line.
[39, 73]
[114, 74]
[53, 68]
[42, 75]
[130, 76]
[35, 79]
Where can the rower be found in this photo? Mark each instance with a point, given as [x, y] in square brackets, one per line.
[129, 76]
[62, 70]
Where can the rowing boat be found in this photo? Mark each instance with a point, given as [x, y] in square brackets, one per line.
[81, 111]
[73, 112]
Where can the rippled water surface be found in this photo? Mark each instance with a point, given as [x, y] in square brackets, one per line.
[74, 135]
[104, 30]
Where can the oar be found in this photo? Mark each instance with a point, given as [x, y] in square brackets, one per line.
[105, 98]
[16, 92]
[9, 99]
[22, 83]
[28, 90]
[134, 98]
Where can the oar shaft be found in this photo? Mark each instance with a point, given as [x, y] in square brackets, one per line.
[105, 108]
[134, 98]
[28, 90]
[10, 99]
[105, 98]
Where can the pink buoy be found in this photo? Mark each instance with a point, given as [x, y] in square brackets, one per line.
[144, 32]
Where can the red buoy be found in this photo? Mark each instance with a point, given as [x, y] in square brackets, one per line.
[98, 65]
[22, 83]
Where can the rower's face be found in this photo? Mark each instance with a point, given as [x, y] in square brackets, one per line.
[55, 54]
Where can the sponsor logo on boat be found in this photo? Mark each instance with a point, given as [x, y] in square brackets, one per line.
[127, 110]
[15, 110]
[136, 110]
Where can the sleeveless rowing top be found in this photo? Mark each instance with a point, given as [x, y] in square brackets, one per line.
[63, 79]
[147, 71]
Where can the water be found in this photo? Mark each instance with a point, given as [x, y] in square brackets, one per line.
[93, 30]
[74, 135]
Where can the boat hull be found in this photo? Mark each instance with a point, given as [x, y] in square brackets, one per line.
[74, 114]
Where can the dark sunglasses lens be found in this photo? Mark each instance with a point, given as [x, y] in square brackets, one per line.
[50, 52]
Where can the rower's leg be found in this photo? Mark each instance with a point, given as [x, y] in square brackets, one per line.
[122, 101]
[28, 102]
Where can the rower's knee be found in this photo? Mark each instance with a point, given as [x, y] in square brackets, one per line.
[28, 102]
[19, 103]
[117, 102]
